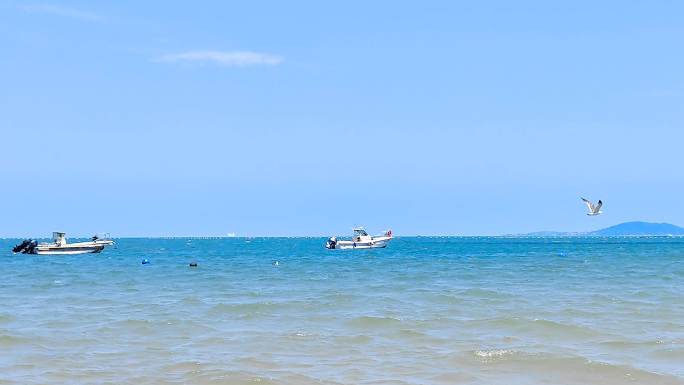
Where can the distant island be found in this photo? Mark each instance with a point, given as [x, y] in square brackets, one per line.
[627, 228]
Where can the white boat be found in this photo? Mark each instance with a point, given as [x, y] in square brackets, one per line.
[361, 240]
[59, 245]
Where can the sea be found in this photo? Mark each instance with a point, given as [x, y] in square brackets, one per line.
[424, 310]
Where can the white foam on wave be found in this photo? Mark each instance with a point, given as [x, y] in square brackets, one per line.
[494, 353]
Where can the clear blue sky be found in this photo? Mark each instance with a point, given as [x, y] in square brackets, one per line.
[303, 118]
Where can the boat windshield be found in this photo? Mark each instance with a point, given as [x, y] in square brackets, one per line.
[361, 232]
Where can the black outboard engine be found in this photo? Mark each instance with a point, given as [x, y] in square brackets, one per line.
[332, 242]
[22, 246]
[26, 247]
[31, 246]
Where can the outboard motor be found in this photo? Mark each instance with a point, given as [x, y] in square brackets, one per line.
[31, 246]
[332, 242]
[22, 246]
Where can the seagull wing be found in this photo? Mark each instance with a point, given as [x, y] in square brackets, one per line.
[591, 205]
[598, 206]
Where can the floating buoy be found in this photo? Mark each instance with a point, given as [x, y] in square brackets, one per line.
[561, 255]
[193, 264]
[145, 261]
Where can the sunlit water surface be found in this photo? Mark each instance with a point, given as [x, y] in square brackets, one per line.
[438, 310]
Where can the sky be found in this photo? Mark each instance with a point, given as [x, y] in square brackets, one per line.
[268, 118]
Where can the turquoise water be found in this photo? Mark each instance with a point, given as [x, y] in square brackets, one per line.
[286, 311]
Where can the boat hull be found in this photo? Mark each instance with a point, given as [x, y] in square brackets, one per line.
[67, 250]
[374, 244]
[72, 248]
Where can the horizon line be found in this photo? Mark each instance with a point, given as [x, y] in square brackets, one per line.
[576, 235]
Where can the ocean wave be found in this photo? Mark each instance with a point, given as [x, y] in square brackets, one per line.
[495, 353]
[487, 294]
[373, 322]
[468, 311]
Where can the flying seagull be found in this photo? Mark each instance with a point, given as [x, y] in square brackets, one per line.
[593, 210]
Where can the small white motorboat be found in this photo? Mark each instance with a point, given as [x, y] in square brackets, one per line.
[59, 245]
[361, 240]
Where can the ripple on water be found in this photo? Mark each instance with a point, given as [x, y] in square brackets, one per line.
[475, 310]
[522, 366]
[370, 322]
[485, 294]
[495, 353]
[7, 341]
[223, 309]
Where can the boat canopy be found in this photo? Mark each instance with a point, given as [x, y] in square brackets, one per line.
[59, 238]
[360, 231]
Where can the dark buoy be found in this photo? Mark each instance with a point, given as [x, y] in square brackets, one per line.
[145, 261]
[193, 264]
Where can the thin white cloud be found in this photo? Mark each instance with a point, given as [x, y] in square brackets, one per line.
[62, 11]
[234, 58]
